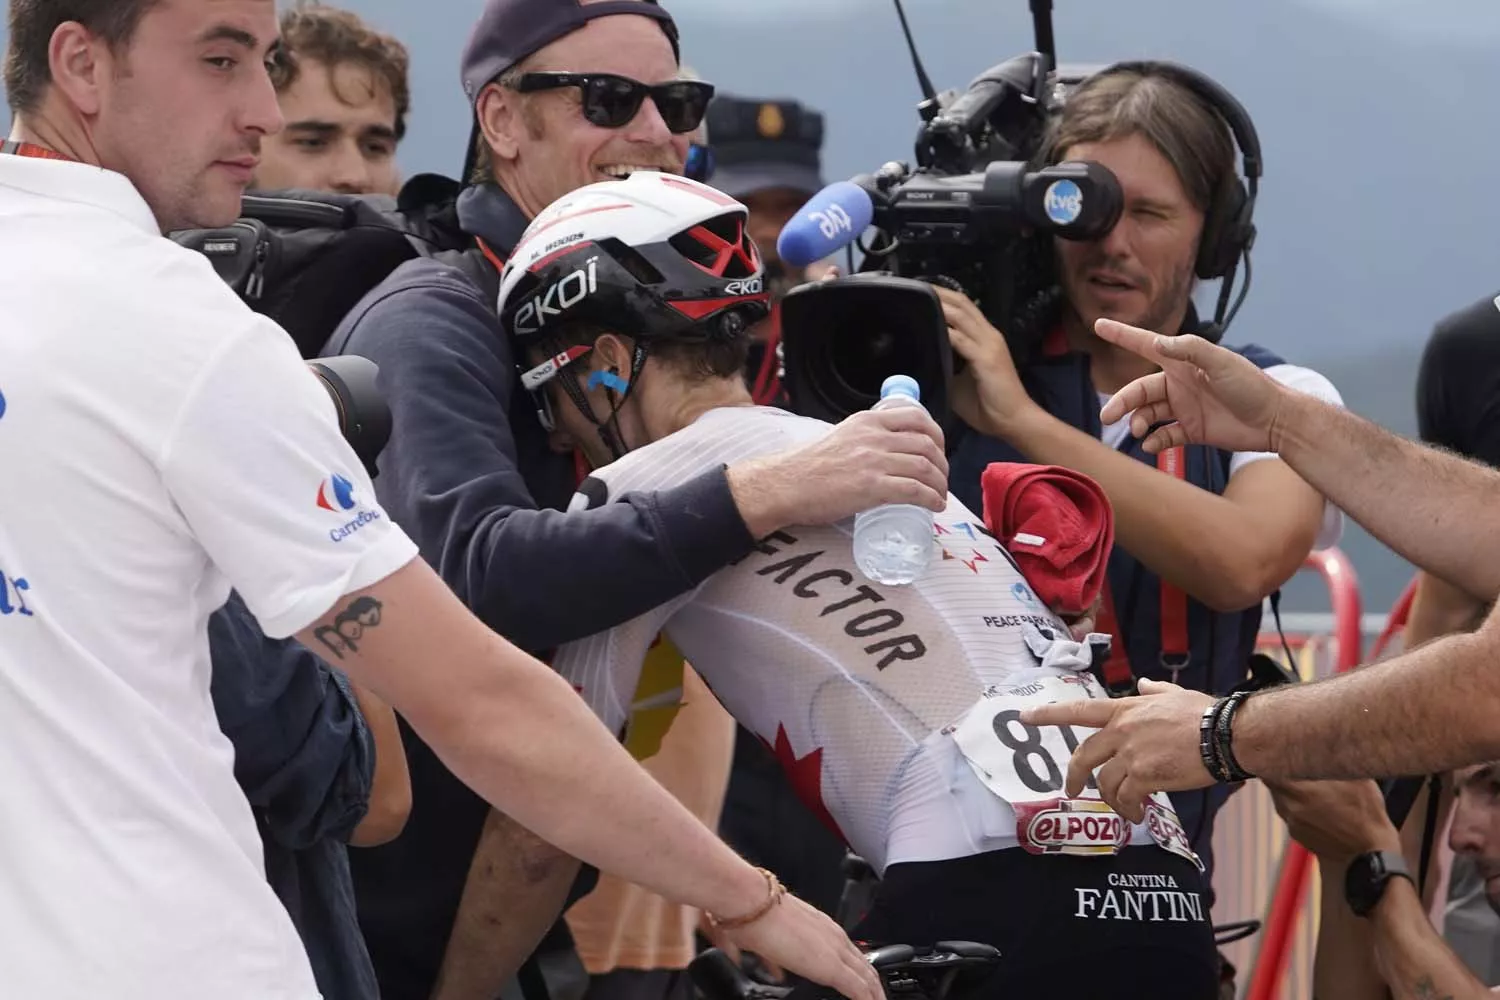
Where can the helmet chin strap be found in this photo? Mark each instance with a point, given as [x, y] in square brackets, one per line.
[619, 390]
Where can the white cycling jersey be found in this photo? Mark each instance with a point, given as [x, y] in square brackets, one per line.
[857, 687]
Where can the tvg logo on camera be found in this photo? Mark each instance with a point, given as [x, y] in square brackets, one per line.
[1064, 202]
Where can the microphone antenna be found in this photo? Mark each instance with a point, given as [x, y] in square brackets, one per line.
[928, 93]
[1046, 44]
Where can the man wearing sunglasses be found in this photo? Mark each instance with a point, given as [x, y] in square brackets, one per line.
[565, 93]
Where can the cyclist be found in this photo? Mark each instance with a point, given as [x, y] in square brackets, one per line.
[631, 300]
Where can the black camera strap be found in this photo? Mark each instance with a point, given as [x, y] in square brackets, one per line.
[1429, 830]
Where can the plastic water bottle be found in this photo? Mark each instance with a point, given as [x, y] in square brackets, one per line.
[893, 544]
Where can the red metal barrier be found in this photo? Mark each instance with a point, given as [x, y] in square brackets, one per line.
[1396, 621]
[1296, 863]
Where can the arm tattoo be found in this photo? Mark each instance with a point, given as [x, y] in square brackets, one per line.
[349, 626]
[1427, 990]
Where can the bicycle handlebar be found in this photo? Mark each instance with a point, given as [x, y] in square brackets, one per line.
[905, 971]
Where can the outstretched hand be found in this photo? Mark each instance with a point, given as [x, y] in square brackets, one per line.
[871, 458]
[1204, 394]
[795, 937]
[1145, 744]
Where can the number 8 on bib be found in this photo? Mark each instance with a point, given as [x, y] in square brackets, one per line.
[1027, 767]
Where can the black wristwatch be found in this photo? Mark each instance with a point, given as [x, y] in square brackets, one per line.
[1368, 875]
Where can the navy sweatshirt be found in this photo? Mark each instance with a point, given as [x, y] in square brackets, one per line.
[468, 474]
[306, 761]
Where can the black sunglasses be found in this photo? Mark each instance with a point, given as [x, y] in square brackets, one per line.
[611, 101]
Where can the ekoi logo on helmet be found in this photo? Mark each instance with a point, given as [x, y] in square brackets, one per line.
[557, 298]
[745, 287]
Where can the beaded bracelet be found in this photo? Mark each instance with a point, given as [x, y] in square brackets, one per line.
[775, 890]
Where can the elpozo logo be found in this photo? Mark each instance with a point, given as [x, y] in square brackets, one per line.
[336, 494]
[1070, 826]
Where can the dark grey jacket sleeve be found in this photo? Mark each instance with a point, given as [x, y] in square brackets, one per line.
[450, 476]
[302, 752]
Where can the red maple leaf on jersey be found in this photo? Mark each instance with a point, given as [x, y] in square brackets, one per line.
[806, 777]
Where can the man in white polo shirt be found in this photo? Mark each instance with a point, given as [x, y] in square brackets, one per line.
[160, 444]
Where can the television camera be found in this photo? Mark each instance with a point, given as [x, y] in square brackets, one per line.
[978, 213]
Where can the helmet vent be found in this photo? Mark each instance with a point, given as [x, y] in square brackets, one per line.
[720, 246]
[633, 261]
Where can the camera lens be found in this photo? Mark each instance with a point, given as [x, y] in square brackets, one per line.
[862, 353]
[364, 418]
[843, 338]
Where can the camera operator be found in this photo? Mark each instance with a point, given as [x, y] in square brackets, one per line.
[162, 445]
[1198, 551]
[1374, 936]
[564, 94]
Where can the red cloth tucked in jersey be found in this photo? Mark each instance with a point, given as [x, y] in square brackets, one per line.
[1058, 525]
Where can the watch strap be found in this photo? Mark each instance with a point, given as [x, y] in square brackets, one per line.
[1368, 875]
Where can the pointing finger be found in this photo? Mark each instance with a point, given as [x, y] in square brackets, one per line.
[1092, 714]
[1142, 392]
[1132, 338]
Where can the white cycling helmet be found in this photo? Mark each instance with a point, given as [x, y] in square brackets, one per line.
[653, 256]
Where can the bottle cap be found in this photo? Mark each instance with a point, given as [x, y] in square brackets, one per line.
[903, 385]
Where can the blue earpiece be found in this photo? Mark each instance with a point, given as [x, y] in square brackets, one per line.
[609, 380]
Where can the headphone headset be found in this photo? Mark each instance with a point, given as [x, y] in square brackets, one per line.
[1228, 226]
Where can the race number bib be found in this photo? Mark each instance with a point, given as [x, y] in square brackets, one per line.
[1019, 762]
[1027, 766]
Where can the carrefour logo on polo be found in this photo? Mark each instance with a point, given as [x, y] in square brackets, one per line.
[1064, 202]
[336, 494]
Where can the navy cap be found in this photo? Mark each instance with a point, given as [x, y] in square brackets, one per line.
[764, 144]
[510, 30]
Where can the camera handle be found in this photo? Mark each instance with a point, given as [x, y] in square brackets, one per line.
[1046, 44]
[1041, 23]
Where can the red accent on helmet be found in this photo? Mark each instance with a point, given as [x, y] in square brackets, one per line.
[575, 215]
[699, 308]
[726, 251]
[701, 191]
